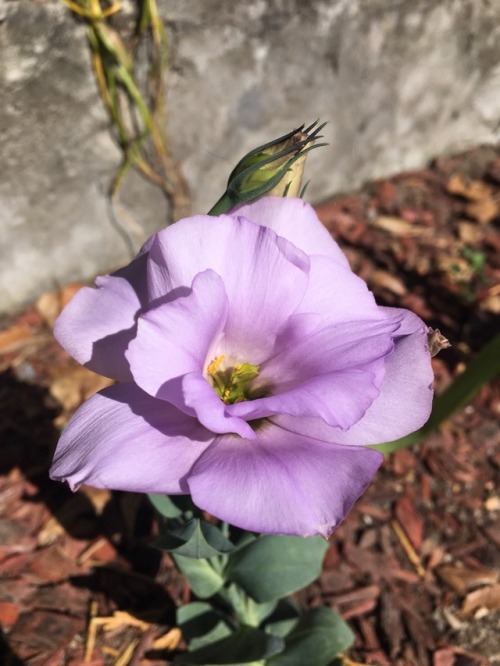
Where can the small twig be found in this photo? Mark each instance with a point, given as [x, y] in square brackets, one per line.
[143, 645]
[134, 651]
[91, 633]
[125, 657]
[410, 551]
[168, 641]
[88, 552]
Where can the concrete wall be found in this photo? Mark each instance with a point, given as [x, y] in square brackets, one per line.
[399, 81]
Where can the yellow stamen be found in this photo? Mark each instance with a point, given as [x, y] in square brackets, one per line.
[214, 365]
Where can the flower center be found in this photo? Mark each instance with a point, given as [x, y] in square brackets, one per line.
[232, 384]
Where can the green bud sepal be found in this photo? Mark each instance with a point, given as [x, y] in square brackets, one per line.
[272, 169]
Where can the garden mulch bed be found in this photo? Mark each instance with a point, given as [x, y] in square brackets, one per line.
[415, 568]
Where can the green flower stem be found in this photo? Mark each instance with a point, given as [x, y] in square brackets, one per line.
[481, 370]
[224, 205]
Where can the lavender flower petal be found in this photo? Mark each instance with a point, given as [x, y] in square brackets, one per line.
[337, 293]
[264, 275]
[333, 373]
[97, 325]
[340, 399]
[405, 399]
[281, 483]
[170, 352]
[295, 220]
[175, 338]
[124, 439]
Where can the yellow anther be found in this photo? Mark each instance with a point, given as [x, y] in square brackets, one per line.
[214, 365]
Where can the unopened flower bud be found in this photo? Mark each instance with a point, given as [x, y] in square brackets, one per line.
[272, 169]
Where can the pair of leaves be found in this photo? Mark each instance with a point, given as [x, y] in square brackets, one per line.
[182, 533]
[315, 639]
[318, 637]
[196, 539]
[265, 568]
[246, 645]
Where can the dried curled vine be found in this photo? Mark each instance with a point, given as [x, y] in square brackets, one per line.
[138, 113]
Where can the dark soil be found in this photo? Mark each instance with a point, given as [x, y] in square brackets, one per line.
[414, 568]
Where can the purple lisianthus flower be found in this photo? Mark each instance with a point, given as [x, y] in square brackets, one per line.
[253, 368]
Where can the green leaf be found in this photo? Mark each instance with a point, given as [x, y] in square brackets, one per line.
[273, 566]
[247, 610]
[197, 539]
[171, 507]
[201, 624]
[481, 370]
[281, 628]
[204, 580]
[245, 646]
[283, 619]
[320, 635]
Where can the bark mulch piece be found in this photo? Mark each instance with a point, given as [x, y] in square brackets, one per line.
[415, 568]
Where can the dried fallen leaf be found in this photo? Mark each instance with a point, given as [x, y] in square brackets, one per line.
[385, 280]
[486, 597]
[483, 211]
[470, 233]
[474, 190]
[461, 657]
[462, 579]
[48, 307]
[492, 503]
[399, 227]
[491, 304]
[50, 304]
[452, 620]
[71, 385]
[50, 533]
[168, 641]
[456, 268]
[14, 338]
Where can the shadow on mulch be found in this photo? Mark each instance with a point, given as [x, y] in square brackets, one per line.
[29, 438]
[122, 527]
[7, 656]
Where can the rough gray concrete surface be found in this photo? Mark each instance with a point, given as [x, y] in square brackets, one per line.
[399, 81]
